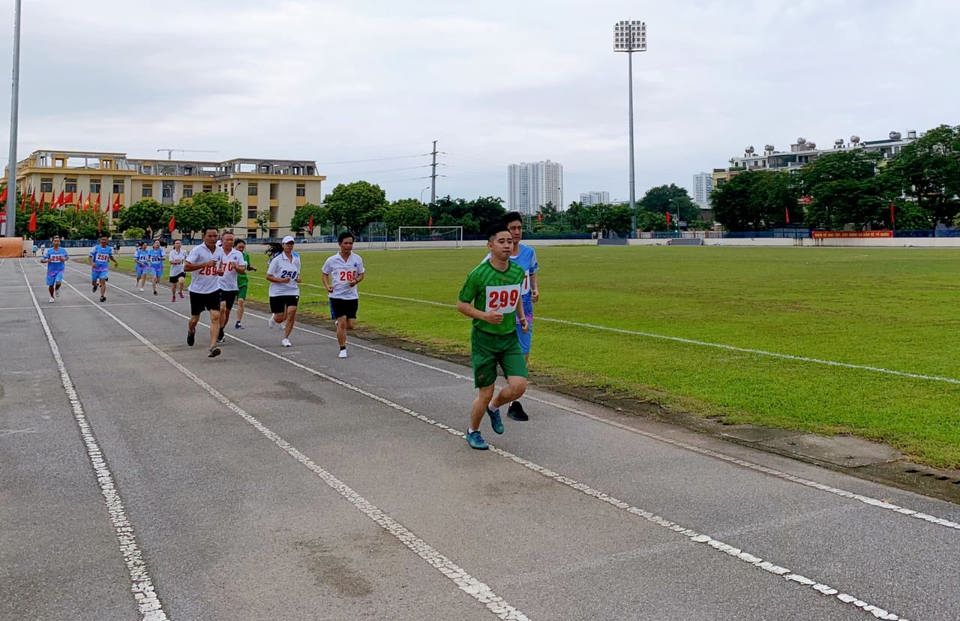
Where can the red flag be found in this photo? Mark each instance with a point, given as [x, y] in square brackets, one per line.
[539, 217]
[60, 202]
[33, 198]
[32, 225]
[430, 221]
[68, 199]
[893, 215]
[3, 195]
[42, 200]
[98, 201]
[86, 203]
[173, 224]
[787, 210]
[116, 203]
[668, 218]
[310, 225]
[80, 200]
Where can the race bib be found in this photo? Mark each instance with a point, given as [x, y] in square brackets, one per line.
[347, 275]
[525, 287]
[503, 299]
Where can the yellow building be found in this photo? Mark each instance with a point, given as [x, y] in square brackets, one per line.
[277, 186]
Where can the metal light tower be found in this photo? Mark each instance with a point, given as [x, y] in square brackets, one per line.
[14, 107]
[631, 36]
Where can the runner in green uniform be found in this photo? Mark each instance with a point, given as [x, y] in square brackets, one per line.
[242, 281]
[491, 297]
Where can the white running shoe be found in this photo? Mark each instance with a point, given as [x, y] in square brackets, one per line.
[270, 322]
[286, 343]
[51, 301]
[141, 288]
[342, 354]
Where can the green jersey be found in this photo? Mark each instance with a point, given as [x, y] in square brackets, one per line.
[489, 289]
[242, 279]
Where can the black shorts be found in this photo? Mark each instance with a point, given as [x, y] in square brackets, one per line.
[200, 302]
[228, 298]
[279, 303]
[343, 308]
[174, 279]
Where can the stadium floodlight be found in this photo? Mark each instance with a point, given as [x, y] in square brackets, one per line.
[630, 35]
[11, 229]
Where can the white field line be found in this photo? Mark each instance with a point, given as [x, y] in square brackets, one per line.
[148, 602]
[867, 500]
[691, 535]
[464, 581]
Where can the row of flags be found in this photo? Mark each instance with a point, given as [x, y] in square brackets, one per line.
[62, 200]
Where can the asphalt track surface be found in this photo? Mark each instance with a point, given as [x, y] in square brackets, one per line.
[141, 480]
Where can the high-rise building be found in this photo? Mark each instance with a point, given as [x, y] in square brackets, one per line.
[531, 185]
[702, 186]
[594, 198]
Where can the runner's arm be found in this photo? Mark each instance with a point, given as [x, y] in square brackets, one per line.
[325, 278]
[468, 309]
[534, 288]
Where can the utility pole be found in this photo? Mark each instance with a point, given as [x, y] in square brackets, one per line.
[433, 175]
[14, 106]
[630, 36]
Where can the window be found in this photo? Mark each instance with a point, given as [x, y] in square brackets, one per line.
[252, 213]
[207, 187]
[187, 190]
[301, 189]
[94, 186]
[46, 184]
[70, 184]
[118, 187]
[251, 189]
[147, 191]
[274, 189]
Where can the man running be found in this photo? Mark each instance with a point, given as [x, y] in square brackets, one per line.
[524, 256]
[491, 297]
[242, 281]
[99, 259]
[56, 259]
[178, 276]
[341, 274]
[156, 256]
[142, 260]
[204, 262]
[283, 274]
[232, 265]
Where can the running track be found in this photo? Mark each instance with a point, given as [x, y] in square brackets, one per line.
[140, 480]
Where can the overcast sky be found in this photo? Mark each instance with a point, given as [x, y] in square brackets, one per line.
[494, 82]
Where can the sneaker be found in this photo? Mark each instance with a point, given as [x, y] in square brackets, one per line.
[155, 292]
[495, 421]
[181, 295]
[191, 337]
[94, 287]
[141, 288]
[103, 298]
[237, 326]
[173, 298]
[476, 441]
[214, 352]
[220, 336]
[286, 343]
[515, 412]
[342, 354]
[51, 301]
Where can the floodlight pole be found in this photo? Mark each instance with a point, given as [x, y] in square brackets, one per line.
[627, 43]
[633, 184]
[14, 107]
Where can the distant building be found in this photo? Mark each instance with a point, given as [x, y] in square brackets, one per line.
[702, 186]
[594, 198]
[803, 152]
[113, 179]
[531, 185]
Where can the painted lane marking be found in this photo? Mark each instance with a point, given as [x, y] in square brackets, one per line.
[689, 534]
[148, 601]
[868, 500]
[465, 582]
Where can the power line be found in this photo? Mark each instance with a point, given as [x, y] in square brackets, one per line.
[372, 159]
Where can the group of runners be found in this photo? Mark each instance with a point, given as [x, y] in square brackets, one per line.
[498, 295]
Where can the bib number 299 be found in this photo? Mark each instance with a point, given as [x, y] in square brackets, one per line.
[502, 299]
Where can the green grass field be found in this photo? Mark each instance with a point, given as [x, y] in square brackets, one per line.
[889, 308]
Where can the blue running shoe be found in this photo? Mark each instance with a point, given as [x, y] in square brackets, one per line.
[476, 441]
[495, 421]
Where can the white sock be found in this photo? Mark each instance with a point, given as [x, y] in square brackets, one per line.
[491, 407]
[469, 431]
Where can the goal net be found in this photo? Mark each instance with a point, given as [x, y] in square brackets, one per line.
[429, 236]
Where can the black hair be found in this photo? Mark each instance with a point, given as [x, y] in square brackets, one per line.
[512, 216]
[344, 235]
[209, 228]
[496, 229]
[273, 249]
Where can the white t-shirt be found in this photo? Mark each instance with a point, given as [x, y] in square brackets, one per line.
[342, 273]
[229, 263]
[206, 279]
[282, 267]
[176, 261]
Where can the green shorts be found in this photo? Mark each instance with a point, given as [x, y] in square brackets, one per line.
[242, 292]
[488, 350]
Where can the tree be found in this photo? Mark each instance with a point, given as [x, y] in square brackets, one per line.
[474, 216]
[664, 198]
[191, 215]
[301, 217]
[354, 205]
[845, 190]
[614, 218]
[405, 212]
[146, 214]
[134, 233]
[756, 200]
[226, 213]
[928, 170]
[263, 221]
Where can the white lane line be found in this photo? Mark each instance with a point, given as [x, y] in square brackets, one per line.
[148, 602]
[464, 581]
[873, 502]
[686, 341]
[651, 517]
[867, 500]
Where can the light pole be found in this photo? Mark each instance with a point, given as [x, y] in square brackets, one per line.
[14, 106]
[422, 191]
[630, 36]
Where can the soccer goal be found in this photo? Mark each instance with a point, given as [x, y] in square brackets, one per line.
[429, 236]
